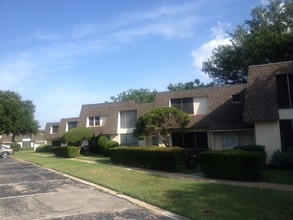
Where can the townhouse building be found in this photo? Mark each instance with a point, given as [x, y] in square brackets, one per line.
[259, 112]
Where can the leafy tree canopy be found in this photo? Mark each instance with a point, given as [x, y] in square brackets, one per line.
[16, 115]
[76, 135]
[136, 95]
[266, 38]
[159, 122]
[188, 85]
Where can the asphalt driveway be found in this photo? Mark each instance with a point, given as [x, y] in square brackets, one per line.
[28, 191]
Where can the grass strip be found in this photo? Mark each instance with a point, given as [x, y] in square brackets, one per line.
[195, 200]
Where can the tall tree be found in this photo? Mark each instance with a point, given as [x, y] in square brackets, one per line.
[266, 38]
[188, 85]
[136, 95]
[159, 122]
[16, 115]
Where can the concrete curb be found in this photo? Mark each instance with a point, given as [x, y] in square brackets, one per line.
[154, 209]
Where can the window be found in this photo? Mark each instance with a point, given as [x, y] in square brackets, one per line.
[26, 144]
[190, 140]
[236, 98]
[128, 140]
[128, 119]
[286, 130]
[71, 124]
[285, 90]
[94, 121]
[184, 104]
[54, 129]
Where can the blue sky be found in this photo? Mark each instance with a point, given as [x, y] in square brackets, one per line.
[61, 54]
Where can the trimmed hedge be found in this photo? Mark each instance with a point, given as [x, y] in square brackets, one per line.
[282, 160]
[232, 164]
[66, 152]
[45, 148]
[101, 143]
[15, 146]
[157, 158]
[256, 148]
[108, 146]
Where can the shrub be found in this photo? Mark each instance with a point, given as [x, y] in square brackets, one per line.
[232, 164]
[282, 160]
[66, 152]
[102, 142]
[44, 148]
[16, 146]
[108, 146]
[158, 158]
[256, 148]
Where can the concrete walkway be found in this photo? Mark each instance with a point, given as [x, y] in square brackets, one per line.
[201, 177]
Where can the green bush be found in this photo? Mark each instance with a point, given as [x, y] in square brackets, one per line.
[66, 152]
[101, 143]
[158, 158]
[44, 148]
[256, 148]
[16, 146]
[232, 164]
[282, 160]
[108, 146]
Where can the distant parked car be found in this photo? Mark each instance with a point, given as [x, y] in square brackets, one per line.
[5, 151]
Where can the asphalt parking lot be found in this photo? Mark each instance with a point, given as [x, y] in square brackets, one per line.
[30, 192]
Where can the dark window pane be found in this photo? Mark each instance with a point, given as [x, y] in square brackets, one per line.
[236, 98]
[128, 119]
[187, 104]
[72, 124]
[176, 103]
[201, 140]
[177, 140]
[286, 134]
[55, 128]
[189, 140]
[128, 140]
[91, 121]
[282, 91]
[97, 121]
[290, 77]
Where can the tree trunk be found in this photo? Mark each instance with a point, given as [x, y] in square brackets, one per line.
[13, 138]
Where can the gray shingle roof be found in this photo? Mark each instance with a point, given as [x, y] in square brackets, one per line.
[47, 131]
[110, 110]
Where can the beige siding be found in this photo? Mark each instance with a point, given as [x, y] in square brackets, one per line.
[268, 134]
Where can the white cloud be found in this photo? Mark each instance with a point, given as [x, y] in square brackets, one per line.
[204, 52]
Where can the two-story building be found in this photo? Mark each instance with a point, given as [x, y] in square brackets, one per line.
[259, 112]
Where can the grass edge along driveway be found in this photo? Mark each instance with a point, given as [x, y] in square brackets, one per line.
[192, 199]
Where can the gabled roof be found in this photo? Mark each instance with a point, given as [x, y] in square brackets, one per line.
[222, 113]
[261, 103]
[63, 123]
[110, 110]
[19, 138]
[47, 131]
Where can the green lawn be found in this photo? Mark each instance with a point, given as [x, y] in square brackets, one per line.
[196, 200]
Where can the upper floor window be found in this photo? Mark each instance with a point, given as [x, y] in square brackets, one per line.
[184, 104]
[236, 98]
[285, 90]
[94, 121]
[128, 119]
[54, 129]
[71, 124]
